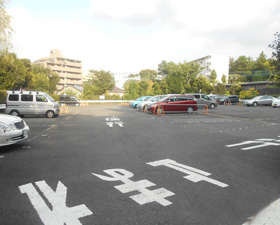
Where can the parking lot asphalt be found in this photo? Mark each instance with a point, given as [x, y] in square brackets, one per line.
[111, 164]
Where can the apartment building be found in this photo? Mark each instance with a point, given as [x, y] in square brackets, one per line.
[219, 63]
[69, 70]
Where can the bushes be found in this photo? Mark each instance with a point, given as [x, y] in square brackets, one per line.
[248, 94]
[3, 96]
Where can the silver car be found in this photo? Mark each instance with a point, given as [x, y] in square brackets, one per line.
[260, 100]
[143, 105]
[12, 129]
[203, 100]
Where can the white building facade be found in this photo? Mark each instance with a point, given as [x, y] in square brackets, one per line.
[219, 63]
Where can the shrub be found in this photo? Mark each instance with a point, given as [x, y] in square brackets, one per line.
[248, 94]
[3, 96]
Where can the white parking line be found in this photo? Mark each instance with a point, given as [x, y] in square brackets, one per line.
[1, 156]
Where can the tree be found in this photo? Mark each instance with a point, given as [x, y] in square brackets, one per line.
[235, 89]
[148, 74]
[101, 81]
[220, 89]
[179, 76]
[224, 79]
[202, 84]
[132, 90]
[5, 28]
[213, 77]
[143, 87]
[275, 45]
[12, 72]
[156, 87]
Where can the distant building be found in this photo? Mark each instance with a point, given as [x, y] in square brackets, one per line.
[69, 70]
[75, 89]
[219, 63]
[117, 91]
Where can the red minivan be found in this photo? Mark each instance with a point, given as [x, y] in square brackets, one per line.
[175, 103]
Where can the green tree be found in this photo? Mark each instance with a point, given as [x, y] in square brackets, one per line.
[5, 28]
[179, 76]
[235, 89]
[224, 79]
[164, 67]
[132, 90]
[101, 81]
[202, 84]
[275, 61]
[12, 72]
[143, 87]
[220, 89]
[156, 87]
[43, 79]
[213, 77]
[148, 74]
[88, 91]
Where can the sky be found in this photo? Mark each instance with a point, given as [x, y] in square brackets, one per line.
[127, 36]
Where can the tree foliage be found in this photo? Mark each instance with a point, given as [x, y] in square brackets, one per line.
[100, 82]
[5, 28]
[275, 45]
[250, 70]
[18, 74]
[148, 74]
[213, 77]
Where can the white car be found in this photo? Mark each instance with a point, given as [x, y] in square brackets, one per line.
[276, 102]
[143, 105]
[12, 129]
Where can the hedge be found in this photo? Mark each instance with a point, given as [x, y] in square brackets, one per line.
[3, 96]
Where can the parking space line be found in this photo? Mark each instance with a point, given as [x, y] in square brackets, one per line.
[1, 156]
[240, 118]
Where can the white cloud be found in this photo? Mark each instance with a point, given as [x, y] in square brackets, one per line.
[128, 36]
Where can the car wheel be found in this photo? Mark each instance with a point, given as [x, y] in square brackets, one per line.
[212, 106]
[14, 113]
[189, 109]
[50, 114]
[255, 104]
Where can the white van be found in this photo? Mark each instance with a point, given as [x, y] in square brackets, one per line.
[20, 103]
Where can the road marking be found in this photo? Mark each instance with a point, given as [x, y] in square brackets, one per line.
[1, 156]
[194, 175]
[269, 215]
[258, 143]
[145, 196]
[59, 214]
[112, 121]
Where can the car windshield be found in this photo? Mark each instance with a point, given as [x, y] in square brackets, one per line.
[256, 98]
[164, 99]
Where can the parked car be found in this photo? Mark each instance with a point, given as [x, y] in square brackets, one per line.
[260, 100]
[216, 97]
[12, 129]
[20, 103]
[138, 100]
[144, 104]
[276, 102]
[69, 100]
[174, 103]
[233, 99]
[203, 100]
